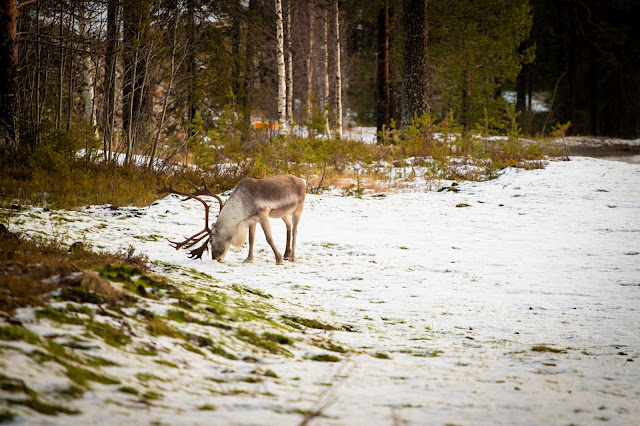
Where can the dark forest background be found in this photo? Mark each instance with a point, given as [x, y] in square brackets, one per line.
[147, 76]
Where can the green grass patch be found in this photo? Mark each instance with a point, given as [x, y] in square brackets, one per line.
[381, 355]
[14, 332]
[157, 327]
[42, 407]
[129, 389]
[151, 395]
[296, 322]
[324, 358]
[207, 407]
[261, 341]
[83, 376]
[145, 377]
[164, 362]
[110, 335]
[7, 416]
[543, 348]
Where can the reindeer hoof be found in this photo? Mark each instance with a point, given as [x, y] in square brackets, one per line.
[279, 261]
[248, 260]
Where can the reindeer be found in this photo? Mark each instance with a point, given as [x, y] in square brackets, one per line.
[253, 201]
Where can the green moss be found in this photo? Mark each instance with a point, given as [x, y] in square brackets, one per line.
[381, 355]
[207, 407]
[42, 407]
[179, 316]
[251, 379]
[192, 348]
[129, 389]
[261, 342]
[295, 321]
[163, 362]
[325, 358]
[543, 348]
[151, 395]
[72, 392]
[80, 309]
[146, 350]
[14, 385]
[330, 346]
[55, 315]
[98, 361]
[82, 376]
[14, 332]
[110, 335]
[217, 350]
[256, 292]
[278, 338]
[157, 327]
[145, 377]
[6, 416]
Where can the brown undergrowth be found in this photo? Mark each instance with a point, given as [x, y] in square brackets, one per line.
[31, 267]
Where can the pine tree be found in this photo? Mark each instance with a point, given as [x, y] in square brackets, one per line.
[415, 87]
[474, 51]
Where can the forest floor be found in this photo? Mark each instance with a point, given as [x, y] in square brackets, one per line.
[511, 301]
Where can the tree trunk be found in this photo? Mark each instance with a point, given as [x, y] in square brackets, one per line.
[71, 82]
[87, 76]
[382, 80]
[282, 84]
[466, 100]
[572, 65]
[415, 87]
[310, 64]
[174, 45]
[336, 16]
[136, 27]
[110, 77]
[325, 101]
[191, 65]
[61, 69]
[8, 74]
[289, 70]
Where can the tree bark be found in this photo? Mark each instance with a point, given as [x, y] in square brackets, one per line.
[310, 64]
[282, 84]
[191, 65]
[8, 74]
[110, 77]
[336, 18]
[136, 27]
[88, 77]
[383, 106]
[325, 101]
[289, 69]
[415, 87]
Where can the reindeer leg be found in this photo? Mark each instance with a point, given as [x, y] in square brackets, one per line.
[252, 238]
[287, 250]
[294, 233]
[266, 227]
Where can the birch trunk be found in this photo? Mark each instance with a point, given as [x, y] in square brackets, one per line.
[325, 102]
[289, 68]
[282, 87]
[87, 76]
[336, 16]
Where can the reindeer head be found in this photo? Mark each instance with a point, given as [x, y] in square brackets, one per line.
[217, 248]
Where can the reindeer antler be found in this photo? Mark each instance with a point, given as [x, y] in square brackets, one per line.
[194, 239]
[205, 191]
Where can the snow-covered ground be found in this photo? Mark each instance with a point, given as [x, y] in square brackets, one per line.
[456, 288]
